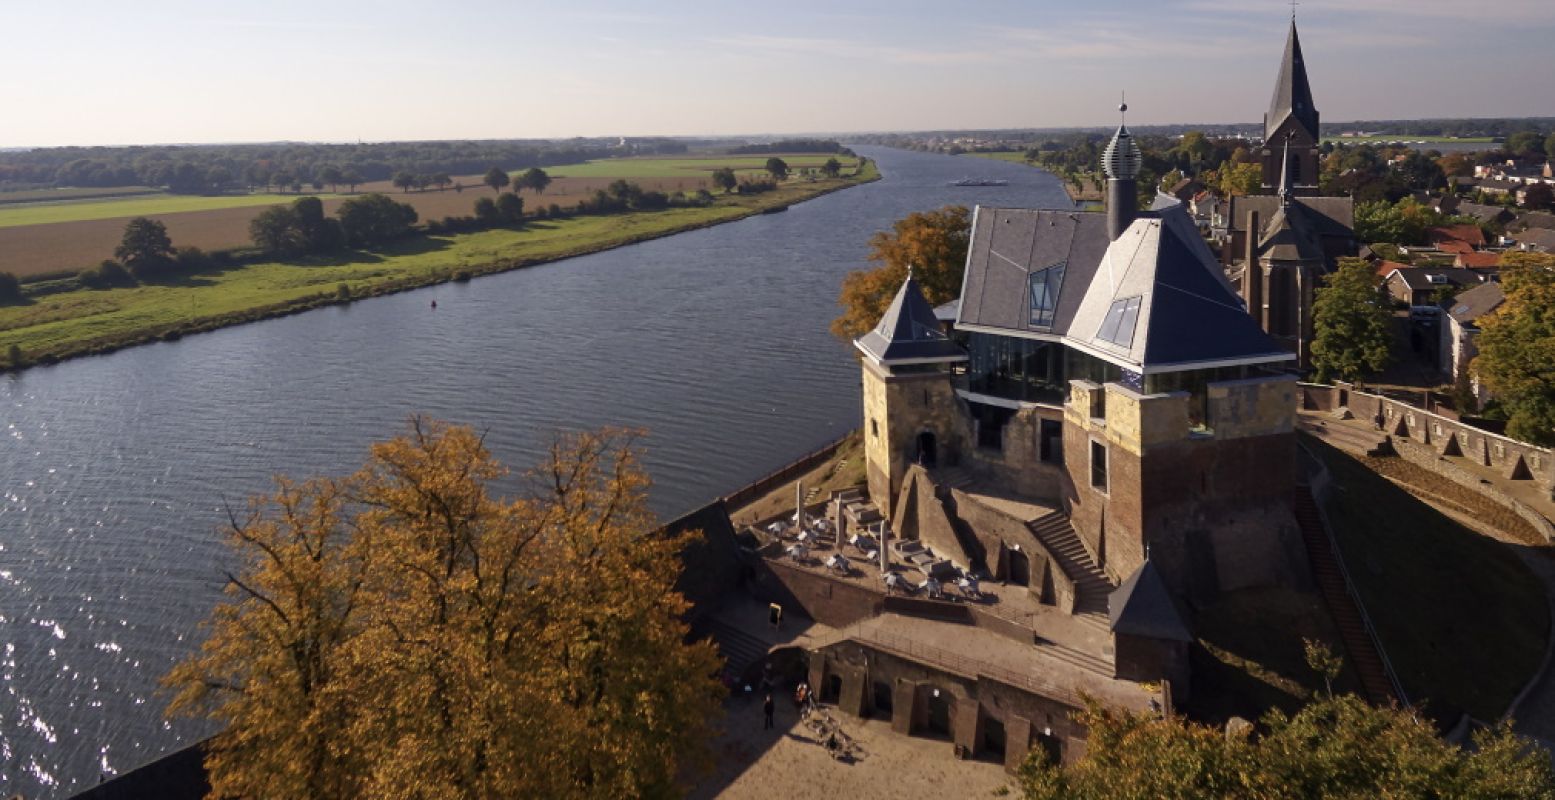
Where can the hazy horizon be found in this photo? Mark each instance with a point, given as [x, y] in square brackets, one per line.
[178, 71]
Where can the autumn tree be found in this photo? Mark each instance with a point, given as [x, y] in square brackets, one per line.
[405, 633]
[1352, 323]
[777, 168]
[1333, 747]
[934, 243]
[1239, 179]
[1516, 343]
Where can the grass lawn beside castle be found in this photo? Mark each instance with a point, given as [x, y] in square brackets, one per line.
[1462, 618]
[83, 321]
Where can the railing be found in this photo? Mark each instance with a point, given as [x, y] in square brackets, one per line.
[784, 474]
[958, 664]
[1344, 572]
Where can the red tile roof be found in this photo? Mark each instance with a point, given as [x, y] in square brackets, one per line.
[1478, 260]
[1469, 234]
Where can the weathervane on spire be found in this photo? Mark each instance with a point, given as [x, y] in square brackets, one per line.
[1293, 5]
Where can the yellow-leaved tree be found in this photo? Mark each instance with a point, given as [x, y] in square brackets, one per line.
[403, 633]
[934, 243]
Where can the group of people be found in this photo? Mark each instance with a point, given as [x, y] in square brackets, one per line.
[804, 697]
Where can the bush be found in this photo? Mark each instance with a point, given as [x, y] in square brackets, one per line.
[10, 288]
[462, 275]
[14, 357]
[191, 259]
[343, 292]
[106, 275]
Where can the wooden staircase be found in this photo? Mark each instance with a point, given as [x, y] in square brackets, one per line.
[1364, 657]
[1091, 584]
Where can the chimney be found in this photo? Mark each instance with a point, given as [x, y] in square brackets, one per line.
[1252, 272]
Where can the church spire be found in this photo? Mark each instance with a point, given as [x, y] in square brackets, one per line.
[1287, 192]
[1292, 94]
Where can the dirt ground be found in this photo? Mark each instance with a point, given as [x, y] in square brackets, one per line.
[69, 246]
[788, 762]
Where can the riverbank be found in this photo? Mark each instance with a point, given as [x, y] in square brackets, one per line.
[60, 326]
[1089, 192]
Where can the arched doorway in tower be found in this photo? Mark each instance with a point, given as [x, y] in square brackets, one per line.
[1020, 568]
[927, 450]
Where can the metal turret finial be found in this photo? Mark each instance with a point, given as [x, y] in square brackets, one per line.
[1122, 105]
[909, 271]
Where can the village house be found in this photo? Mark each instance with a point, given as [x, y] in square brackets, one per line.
[1426, 287]
[1460, 330]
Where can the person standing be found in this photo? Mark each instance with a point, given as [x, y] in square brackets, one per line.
[766, 710]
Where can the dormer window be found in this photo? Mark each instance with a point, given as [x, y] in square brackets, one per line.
[1045, 285]
[1117, 328]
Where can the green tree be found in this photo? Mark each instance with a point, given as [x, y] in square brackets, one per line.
[777, 168]
[486, 211]
[724, 178]
[533, 178]
[934, 243]
[1539, 197]
[832, 168]
[1352, 323]
[1516, 343]
[274, 230]
[404, 181]
[403, 634]
[10, 288]
[1549, 145]
[1239, 179]
[145, 248]
[496, 178]
[332, 175]
[1527, 144]
[511, 208]
[374, 219]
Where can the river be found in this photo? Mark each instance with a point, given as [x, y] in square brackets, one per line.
[114, 470]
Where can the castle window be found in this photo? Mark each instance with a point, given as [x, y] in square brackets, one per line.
[1045, 284]
[874, 429]
[1098, 465]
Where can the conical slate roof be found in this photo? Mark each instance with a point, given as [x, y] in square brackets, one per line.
[909, 333]
[1292, 93]
[1142, 606]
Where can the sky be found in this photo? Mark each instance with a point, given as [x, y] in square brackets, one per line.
[175, 71]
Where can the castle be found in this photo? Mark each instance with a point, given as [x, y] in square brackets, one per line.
[1102, 434]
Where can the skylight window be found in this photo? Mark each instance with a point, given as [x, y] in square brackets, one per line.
[1118, 326]
[1045, 284]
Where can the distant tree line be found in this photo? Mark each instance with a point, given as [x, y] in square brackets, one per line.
[295, 167]
[792, 146]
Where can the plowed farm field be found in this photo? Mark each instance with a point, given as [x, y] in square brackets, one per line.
[36, 248]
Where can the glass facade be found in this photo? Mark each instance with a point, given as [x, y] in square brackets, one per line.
[1014, 368]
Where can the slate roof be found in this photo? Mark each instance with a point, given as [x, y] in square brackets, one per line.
[1537, 219]
[1143, 607]
[1291, 236]
[1156, 300]
[1292, 94]
[1419, 278]
[1476, 302]
[1538, 237]
[1329, 216]
[947, 312]
[1483, 212]
[909, 333]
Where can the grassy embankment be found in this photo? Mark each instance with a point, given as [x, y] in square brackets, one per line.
[660, 167]
[83, 322]
[1463, 619]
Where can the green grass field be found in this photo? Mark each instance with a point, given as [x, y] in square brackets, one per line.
[84, 321]
[1463, 620]
[70, 194]
[76, 211]
[689, 167]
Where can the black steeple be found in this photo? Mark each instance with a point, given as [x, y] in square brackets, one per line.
[1292, 93]
[909, 333]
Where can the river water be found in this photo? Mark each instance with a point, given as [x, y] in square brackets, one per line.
[114, 470]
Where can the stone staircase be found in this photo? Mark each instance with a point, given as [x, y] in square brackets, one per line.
[1363, 656]
[948, 478]
[1091, 584]
[740, 650]
[1069, 655]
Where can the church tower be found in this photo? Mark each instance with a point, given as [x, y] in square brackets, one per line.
[909, 402]
[1291, 120]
